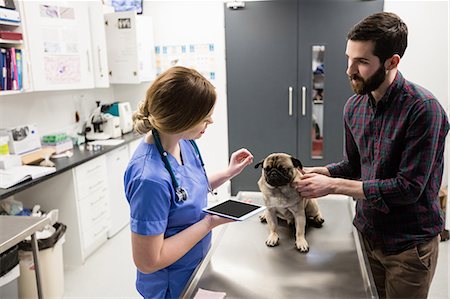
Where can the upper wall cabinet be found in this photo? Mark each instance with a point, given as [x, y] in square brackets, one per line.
[130, 47]
[98, 42]
[59, 44]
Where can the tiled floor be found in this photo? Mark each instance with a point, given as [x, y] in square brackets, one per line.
[110, 272]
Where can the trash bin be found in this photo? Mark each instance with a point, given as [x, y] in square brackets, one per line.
[9, 272]
[50, 266]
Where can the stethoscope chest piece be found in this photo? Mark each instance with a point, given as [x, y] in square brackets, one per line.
[181, 194]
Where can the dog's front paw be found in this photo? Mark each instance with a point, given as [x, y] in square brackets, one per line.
[262, 217]
[272, 240]
[302, 245]
[317, 221]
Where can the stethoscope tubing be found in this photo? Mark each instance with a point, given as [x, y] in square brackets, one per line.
[180, 192]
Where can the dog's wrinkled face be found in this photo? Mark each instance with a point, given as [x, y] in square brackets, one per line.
[279, 169]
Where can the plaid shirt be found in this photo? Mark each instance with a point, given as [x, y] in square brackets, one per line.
[396, 148]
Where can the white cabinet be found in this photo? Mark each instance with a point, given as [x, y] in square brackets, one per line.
[92, 193]
[82, 198]
[59, 44]
[130, 46]
[117, 162]
[98, 42]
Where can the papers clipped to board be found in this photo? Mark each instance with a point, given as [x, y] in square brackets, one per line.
[15, 175]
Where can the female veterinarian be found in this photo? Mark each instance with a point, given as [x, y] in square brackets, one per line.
[166, 184]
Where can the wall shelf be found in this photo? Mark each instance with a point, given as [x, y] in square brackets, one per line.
[9, 23]
[10, 41]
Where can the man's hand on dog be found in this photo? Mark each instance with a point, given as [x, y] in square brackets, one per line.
[312, 185]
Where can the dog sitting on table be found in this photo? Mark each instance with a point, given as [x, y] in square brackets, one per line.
[279, 170]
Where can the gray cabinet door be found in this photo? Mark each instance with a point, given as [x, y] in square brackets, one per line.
[326, 23]
[261, 61]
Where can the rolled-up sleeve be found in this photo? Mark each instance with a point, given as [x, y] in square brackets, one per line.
[149, 207]
[373, 195]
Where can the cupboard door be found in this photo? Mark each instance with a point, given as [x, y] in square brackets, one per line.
[98, 40]
[130, 44]
[261, 58]
[325, 24]
[117, 161]
[59, 45]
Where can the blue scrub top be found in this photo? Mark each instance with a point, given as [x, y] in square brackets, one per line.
[155, 210]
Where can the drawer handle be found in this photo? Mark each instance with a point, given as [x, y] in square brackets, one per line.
[95, 185]
[92, 169]
[99, 216]
[101, 230]
[93, 203]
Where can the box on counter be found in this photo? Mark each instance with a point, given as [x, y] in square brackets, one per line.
[60, 146]
[22, 139]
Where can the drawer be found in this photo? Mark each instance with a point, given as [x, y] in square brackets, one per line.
[97, 234]
[92, 210]
[92, 169]
[96, 185]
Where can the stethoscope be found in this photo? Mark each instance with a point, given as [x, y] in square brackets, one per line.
[180, 192]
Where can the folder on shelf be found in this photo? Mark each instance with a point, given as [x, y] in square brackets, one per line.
[19, 68]
[8, 70]
[14, 78]
[2, 69]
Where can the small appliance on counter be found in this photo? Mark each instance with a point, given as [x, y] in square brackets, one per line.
[93, 125]
[123, 111]
[22, 139]
[102, 125]
[111, 126]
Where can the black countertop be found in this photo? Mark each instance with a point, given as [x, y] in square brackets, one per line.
[64, 164]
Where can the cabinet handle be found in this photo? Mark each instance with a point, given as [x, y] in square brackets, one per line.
[98, 216]
[100, 231]
[290, 101]
[93, 203]
[88, 61]
[92, 169]
[100, 69]
[303, 100]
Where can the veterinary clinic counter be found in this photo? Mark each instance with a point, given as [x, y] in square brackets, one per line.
[64, 164]
[241, 265]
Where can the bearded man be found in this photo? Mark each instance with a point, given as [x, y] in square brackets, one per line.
[394, 146]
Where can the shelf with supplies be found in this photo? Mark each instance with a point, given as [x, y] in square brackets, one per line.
[10, 42]
[11, 66]
[11, 49]
[9, 23]
[82, 64]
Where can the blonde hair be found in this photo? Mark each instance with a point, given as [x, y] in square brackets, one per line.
[178, 99]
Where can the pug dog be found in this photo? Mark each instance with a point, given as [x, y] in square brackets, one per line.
[279, 170]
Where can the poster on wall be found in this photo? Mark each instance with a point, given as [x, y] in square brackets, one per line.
[202, 57]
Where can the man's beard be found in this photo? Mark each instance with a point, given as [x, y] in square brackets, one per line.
[361, 86]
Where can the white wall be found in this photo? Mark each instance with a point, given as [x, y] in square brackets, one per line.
[51, 111]
[199, 22]
[426, 59]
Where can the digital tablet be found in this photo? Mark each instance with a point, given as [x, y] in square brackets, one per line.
[234, 209]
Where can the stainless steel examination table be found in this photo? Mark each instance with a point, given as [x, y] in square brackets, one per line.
[241, 265]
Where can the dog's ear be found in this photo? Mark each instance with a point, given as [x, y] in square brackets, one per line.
[260, 163]
[297, 163]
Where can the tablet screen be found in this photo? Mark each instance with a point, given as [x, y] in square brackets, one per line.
[234, 209]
